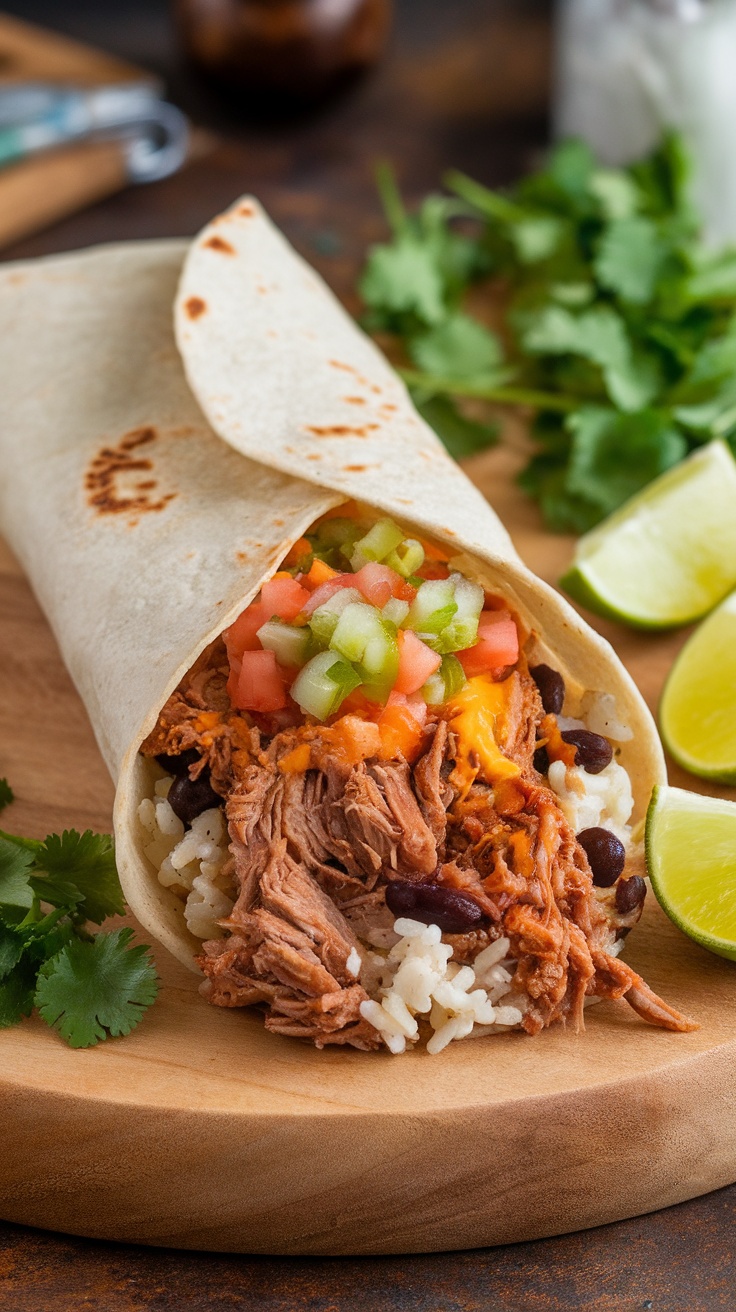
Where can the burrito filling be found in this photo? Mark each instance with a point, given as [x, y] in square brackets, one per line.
[379, 821]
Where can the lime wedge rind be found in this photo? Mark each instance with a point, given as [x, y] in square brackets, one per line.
[694, 884]
[577, 586]
[697, 709]
[668, 556]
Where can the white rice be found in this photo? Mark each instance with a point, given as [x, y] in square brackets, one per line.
[588, 801]
[190, 861]
[418, 978]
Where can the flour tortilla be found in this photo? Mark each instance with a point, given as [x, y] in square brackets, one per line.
[144, 534]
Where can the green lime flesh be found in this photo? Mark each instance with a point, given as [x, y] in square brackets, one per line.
[691, 858]
[668, 555]
[697, 713]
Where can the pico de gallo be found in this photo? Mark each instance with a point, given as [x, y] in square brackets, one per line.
[365, 619]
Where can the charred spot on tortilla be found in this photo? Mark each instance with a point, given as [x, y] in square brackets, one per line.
[195, 307]
[216, 243]
[341, 430]
[137, 437]
[246, 211]
[315, 455]
[355, 469]
[354, 400]
[108, 478]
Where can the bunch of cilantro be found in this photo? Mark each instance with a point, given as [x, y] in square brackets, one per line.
[618, 325]
[84, 985]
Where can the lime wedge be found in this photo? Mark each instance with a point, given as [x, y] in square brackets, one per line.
[697, 712]
[691, 857]
[669, 554]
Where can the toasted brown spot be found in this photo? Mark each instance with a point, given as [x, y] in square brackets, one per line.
[388, 408]
[341, 430]
[337, 364]
[314, 456]
[278, 523]
[355, 469]
[110, 471]
[219, 244]
[241, 555]
[195, 306]
[354, 400]
[138, 437]
[405, 501]
[246, 210]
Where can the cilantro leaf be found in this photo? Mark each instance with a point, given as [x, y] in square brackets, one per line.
[80, 871]
[16, 994]
[617, 314]
[462, 436]
[458, 347]
[612, 456]
[11, 950]
[92, 989]
[15, 866]
[598, 335]
[404, 278]
[6, 794]
[630, 256]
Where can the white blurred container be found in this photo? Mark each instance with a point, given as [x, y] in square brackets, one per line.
[628, 69]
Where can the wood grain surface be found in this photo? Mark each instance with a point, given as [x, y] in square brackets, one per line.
[465, 86]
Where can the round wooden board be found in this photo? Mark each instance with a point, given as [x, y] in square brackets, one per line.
[200, 1130]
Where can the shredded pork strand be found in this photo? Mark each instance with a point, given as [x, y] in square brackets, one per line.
[314, 850]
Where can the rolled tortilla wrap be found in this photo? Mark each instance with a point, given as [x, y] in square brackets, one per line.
[144, 535]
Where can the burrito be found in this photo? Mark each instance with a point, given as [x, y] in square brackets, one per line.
[373, 777]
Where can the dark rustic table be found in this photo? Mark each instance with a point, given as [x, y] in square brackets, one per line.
[465, 84]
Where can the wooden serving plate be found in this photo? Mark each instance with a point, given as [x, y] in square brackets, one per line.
[201, 1130]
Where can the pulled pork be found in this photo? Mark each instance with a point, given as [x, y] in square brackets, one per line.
[315, 846]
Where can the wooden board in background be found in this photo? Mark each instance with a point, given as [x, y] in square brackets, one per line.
[201, 1130]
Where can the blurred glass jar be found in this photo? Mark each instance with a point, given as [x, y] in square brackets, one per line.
[628, 69]
[283, 52]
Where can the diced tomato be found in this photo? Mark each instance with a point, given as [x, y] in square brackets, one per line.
[497, 646]
[379, 582]
[416, 662]
[401, 732]
[319, 573]
[284, 597]
[327, 590]
[241, 636]
[260, 684]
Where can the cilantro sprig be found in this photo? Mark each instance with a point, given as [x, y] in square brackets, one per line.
[86, 986]
[618, 325]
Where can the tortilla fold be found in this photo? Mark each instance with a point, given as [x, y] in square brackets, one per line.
[144, 534]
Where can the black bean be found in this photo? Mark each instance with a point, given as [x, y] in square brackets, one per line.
[606, 855]
[593, 753]
[188, 798]
[541, 760]
[630, 894]
[433, 904]
[551, 687]
[180, 763]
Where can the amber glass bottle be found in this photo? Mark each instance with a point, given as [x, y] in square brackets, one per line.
[289, 51]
